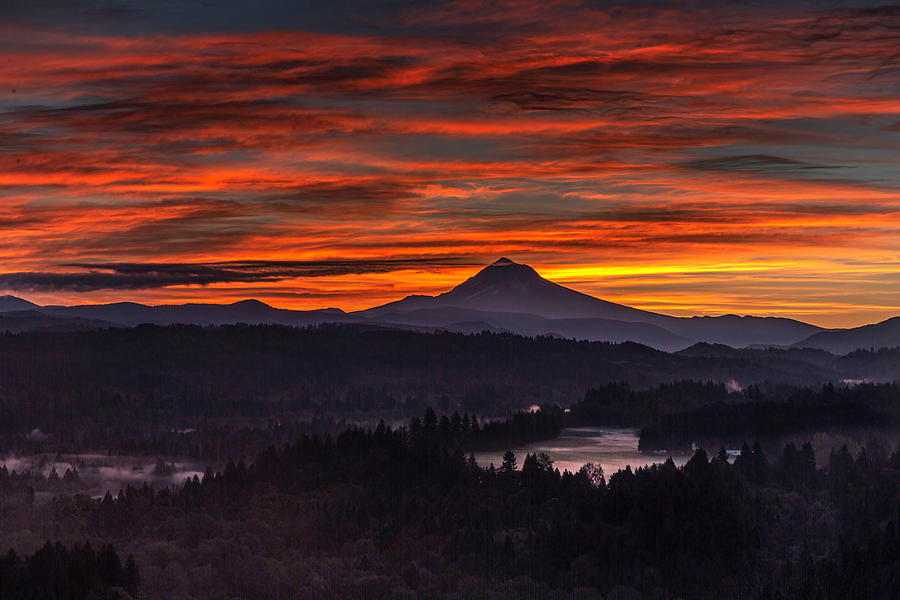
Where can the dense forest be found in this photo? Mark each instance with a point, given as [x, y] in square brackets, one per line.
[309, 463]
[404, 512]
[81, 573]
[619, 403]
[55, 381]
[675, 416]
[755, 416]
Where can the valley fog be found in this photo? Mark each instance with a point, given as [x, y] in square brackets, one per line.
[99, 473]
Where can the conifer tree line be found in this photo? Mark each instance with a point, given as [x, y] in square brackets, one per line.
[55, 572]
[388, 512]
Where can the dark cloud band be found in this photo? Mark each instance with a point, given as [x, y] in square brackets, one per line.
[134, 276]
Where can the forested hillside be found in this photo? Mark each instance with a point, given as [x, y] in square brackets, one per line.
[404, 513]
[56, 381]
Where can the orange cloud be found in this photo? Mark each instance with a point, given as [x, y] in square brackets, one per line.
[658, 157]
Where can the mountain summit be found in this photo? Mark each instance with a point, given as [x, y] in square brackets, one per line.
[12, 303]
[508, 286]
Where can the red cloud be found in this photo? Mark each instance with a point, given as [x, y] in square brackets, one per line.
[566, 133]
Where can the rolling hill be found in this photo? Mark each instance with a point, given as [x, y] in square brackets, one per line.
[841, 341]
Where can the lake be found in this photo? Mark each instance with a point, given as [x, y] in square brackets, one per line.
[613, 449]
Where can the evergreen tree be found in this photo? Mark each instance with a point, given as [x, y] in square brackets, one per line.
[430, 422]
[509, 463]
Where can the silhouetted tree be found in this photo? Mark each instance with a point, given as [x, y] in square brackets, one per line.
[509, 463]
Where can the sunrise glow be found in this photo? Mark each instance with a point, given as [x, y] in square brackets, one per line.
[658, 158]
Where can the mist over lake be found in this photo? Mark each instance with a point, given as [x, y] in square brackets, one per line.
[611, 449]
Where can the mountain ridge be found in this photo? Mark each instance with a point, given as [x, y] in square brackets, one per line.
[504, 296]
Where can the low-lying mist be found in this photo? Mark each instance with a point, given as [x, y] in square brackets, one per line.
[99, 473]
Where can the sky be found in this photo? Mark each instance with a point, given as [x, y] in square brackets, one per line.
[687, 158]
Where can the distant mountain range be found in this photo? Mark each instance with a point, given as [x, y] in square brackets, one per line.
[503, 297]
[841, 341]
